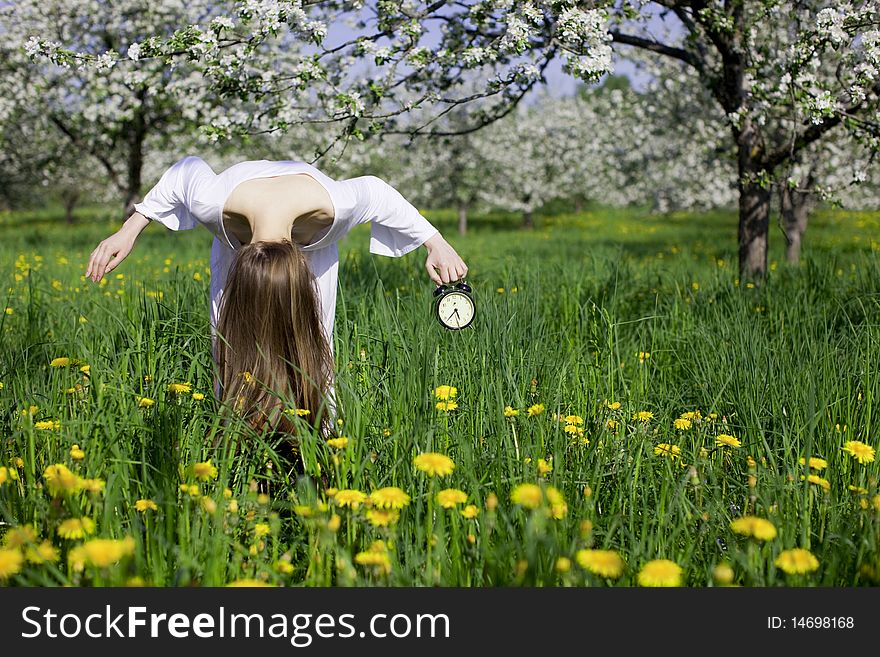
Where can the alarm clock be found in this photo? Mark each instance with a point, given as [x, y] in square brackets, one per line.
[454, 305]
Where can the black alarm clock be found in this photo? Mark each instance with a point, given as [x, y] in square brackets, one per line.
[454, 305]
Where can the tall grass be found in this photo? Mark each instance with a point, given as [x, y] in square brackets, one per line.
[790, 369]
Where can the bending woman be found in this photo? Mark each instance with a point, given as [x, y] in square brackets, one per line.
[274, 266]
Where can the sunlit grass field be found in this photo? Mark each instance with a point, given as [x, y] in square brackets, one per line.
[624, 412]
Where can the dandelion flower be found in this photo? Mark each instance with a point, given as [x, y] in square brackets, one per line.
[145, 505]
[7, 474]
[198, 396]
[101, 552]
[42, 553]
[76, 453]
[59, 479]
[797, 561]
[558, 507]
[92, 485]
[61, 362]
[390, 497]
[445, 392]
[665, 449]
[535, 409]
[261, 529]
[382, 518]
[204, 471]
[145, 402]
[815, 463]
[605, 563]
[249, 583]
[527, 495]
[19, 537]
[74, 528]
[723, 574]
[299, 412]
[180, 388]
[574, 419]
[338, 443]
[724, 439]
[660, 572]
[860, 451]
[378, 560]
[544, 467]
[47, 425]
[509, 411]
[450, 497]
[470, 512]
[350, 498]
[209, 506]
[446, 405]
[434, 464]
[10, 563]
[758, 528]
[818, 481]
[643, 356]
[612, 425]
[643, 416]
[690, 416]
[681, 424]
[613, 406]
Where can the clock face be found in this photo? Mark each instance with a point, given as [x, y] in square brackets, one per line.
[455, 310]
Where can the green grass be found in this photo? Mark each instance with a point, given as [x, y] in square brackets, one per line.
[785, 367]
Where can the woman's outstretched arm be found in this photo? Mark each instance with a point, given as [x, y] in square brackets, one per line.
[113, 250]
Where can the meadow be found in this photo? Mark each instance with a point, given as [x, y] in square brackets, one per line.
[622, 412]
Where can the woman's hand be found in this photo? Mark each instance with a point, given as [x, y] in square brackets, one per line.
[443, 264]
[113, 250]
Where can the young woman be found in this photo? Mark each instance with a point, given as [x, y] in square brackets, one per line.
[274, 265]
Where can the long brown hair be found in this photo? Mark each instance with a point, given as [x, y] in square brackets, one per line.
[271, 348]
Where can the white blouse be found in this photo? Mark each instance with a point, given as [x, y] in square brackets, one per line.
[190, 193]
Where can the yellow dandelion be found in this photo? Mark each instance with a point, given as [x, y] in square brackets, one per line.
[797, 561]
[818, 481]
[180, 388]
[660, 572]
[754, 527]
[682, 424]
[665, 449]
[723, 574]
[10, 563]
[527, 495]
[613, 406]
[75, 528]
[724, 439]
[558, 507]
[209, 506]
[815, 463]
[145, 505]
[198, 396]
[261, 529]
[101, 552]
[283, 567]
[92, 485]
[446, 405]
[76, 453]
[643, 356]
[204, 471]
[350, 498]
[860, 451]
[61, 362]
[45, 552]
[445, 392]
[613, 425]
[19, 537]
[434, 464]
[299, 412]
[691, 416]
[858, 489]
[59, 479]
[470, 512]
[535, 409]
[605, 563]
[390, 497]
[544, 467]
[7, 474]
[338, 443]
[382, 517]
[47, 425]
[643, 416]
[145, 402]
[249, 583]
[448, 498]
[574, 419]
[509, 411]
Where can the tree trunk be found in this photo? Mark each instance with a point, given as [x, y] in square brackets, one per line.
[70, 198]
[528, 220]
[794, 210]
[136, 132]
[754, 207]
[578, 205]
[462, 218]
